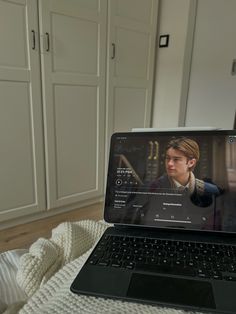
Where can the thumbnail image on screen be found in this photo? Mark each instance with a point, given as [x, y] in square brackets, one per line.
[183, 181]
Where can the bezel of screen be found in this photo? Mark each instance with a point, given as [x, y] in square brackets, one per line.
[136, 151]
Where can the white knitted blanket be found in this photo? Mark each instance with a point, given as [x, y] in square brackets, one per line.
[47, 271]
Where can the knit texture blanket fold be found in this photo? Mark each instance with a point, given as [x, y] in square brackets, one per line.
[46, 256]
[48, 270]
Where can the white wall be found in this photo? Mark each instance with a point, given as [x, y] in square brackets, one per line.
[173, 20]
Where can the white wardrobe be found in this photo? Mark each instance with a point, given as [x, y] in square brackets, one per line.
[71, 73]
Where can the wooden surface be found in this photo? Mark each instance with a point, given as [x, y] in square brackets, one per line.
[24, 235]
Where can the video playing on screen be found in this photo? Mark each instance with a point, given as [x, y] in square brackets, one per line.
[182, 181]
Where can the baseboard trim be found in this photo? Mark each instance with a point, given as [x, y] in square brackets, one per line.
[48, 213]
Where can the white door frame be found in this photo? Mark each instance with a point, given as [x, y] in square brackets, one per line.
[188, 51]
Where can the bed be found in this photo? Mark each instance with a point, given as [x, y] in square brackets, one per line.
[38, 280]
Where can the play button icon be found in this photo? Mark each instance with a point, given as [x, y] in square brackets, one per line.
[118, 182]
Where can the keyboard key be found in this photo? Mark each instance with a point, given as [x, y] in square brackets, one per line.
[152, 260]
[164, 261]
[116, 264]
[232, 268]
[129, 265]
[140, 259]
[216, 275]
[178, 263]
[92, 261]
[229, 278]
[166, 269]
[191, 264]
[103, 263]
[203, 273]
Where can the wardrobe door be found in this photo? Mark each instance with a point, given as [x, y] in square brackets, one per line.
[211, 98]
[132, 30]
[21, 137]
[73, 40]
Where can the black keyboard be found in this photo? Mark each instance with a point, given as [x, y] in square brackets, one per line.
[194, 259]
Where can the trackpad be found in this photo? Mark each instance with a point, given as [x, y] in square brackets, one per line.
[171, 290]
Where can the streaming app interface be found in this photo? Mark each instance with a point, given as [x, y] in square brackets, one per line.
[184, 181]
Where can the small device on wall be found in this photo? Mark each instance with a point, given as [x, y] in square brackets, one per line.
[164, 41]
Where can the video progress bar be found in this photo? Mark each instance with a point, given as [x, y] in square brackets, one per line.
[171, 220]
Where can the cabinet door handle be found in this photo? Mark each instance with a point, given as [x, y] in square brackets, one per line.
[113, 53]
[233, 70]
[47, 42]
[33, 39]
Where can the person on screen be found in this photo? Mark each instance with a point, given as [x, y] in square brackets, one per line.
[181, 157]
